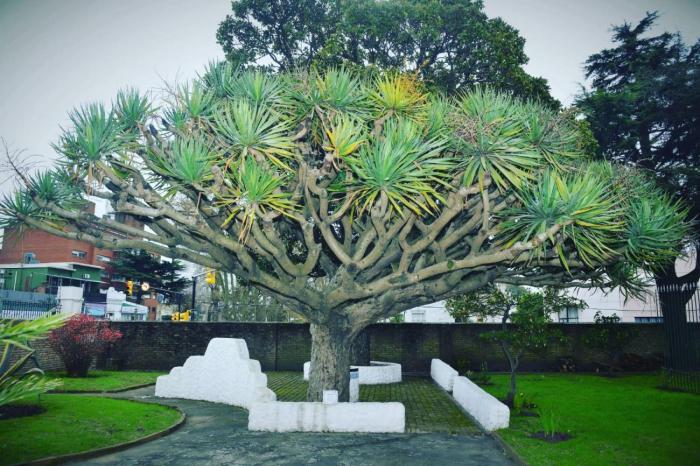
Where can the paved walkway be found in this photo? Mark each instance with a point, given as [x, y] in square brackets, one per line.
[216, 434]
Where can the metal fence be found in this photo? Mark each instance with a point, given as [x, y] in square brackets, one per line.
[680, 305]
[26, 305]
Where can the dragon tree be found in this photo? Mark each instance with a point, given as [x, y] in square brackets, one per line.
[351, 198]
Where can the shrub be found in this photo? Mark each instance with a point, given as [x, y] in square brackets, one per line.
[522, 402]
[610, 337]
[549, 422]
[81, 339]
[482, 377]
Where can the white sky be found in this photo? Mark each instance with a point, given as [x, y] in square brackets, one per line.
[55, 55]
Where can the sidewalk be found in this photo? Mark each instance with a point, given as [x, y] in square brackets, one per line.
[216, 434]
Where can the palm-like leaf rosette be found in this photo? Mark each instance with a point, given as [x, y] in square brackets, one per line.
[354, 188]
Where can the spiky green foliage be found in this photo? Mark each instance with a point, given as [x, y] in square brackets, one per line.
[188, 160]
[94, 134]
[131, 109]
[351, 197]
[195, 101]
[489, 129]
[580, 204]
[401, 166]
[256, 192]
[653, 233]
[398, 95]
[249, 129]
[18, 335]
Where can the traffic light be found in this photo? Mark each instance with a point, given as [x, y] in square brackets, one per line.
[183, 316]
[130, 287]
[210, 278]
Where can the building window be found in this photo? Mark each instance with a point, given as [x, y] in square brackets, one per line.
[418, 315]
[79, 254]
[649, 320]
[102, 258]
[29, 258]
[569, 316]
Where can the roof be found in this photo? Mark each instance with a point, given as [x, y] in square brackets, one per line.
[70, 266]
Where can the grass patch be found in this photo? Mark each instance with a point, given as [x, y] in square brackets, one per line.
[100, 381]
[74, 423]
[428, 409]
[620, 420]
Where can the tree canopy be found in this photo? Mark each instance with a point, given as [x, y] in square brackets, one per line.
[644, 109]
[350, 199]
[142, 266]
[450, 44]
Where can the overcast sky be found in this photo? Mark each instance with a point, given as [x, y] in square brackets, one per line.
[57, 54]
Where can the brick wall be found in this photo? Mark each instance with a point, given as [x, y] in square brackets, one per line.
[162, 345]
[44, 357]
[414, 345]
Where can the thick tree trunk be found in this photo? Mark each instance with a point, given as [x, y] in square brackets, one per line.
[331, 348]
[674, 294]
[510, 398]
[673, 307]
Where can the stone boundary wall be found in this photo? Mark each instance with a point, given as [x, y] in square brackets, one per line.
[285, 347]
[44, 357]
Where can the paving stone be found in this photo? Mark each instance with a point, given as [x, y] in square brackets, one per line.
[216, 434]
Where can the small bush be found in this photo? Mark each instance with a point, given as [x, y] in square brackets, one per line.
[81, 339]
[482, 377]
[522, 402]
[549, 422]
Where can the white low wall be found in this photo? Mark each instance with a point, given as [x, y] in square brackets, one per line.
[320, 417]
[225, 374]
[443, 374]
[490, 413]
[378, 372]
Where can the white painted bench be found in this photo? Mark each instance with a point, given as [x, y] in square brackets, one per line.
[443, 374]
[280, 416]
[490, 413]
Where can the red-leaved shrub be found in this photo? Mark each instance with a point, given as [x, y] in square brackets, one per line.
[79, 340]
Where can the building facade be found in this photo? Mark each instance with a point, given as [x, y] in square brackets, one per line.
[48, 277]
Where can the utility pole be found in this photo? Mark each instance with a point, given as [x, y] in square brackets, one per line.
[194, 289]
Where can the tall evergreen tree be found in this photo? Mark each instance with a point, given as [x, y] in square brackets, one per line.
[142, 266]
[644, 110]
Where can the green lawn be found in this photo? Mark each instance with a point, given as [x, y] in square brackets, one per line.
[99, 381]
[75, 423]
[428, 409]
[623, 420]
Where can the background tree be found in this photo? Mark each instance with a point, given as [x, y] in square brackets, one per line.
[238, 301]
[524, 315]
[351, 199]
[451, 45]
[610, 338]
[481, 304]
[644, 110]
[142, 266]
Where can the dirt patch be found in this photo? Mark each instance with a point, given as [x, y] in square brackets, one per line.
[555, 438]
[13, 411]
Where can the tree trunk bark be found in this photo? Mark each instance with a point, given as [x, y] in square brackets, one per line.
[510, 398]
[331, 348]
[674, 294]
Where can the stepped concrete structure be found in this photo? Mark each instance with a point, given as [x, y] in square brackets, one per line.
[225, 374]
